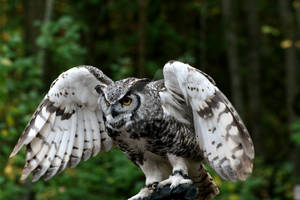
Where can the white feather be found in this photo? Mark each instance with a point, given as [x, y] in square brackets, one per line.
[88, 138]
[56, 161]
[38, 142]
[95, 133]
[78, 142]
[39, 122]
[106, 141]
[59, 118]
[38, 158]
[34, 126]
[219, 130]
[45, 164]
[73, 130]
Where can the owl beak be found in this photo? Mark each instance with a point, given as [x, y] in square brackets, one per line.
[114, 113]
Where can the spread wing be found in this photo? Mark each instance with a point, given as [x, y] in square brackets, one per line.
[192, 98]
[67, 127]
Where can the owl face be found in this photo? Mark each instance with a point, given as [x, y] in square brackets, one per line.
[120, 101]
[120, 112]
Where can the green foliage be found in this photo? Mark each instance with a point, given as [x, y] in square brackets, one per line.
[99, 178]
[61, 38]
[295, 137]
[17, 73]
[267, 182]
[104, 34]
[20, 94]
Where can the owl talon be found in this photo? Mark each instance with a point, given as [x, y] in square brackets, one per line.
[176, 179]
[152, 186]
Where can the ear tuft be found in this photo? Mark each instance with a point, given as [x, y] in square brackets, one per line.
[140, 84]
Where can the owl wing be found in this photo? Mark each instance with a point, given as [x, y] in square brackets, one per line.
[192, 97]
[67, 127]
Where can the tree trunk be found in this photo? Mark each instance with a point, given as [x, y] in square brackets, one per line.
[203, 18]
[142, 37]
[33, 11]
[290, 69]
[232, 55]
[296, 101]
[254, 74]
[297, 9]
[290, 55]
[48, 69]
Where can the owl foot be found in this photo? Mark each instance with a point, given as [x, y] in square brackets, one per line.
[144, 193]
[176, 179]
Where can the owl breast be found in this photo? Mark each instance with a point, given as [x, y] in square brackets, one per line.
[158, 136]
[149, 129]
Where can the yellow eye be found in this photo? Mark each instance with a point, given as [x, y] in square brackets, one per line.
[126, 101]
[107, 103]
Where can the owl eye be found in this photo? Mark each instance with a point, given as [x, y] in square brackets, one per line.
[107, 103]
[126, 101]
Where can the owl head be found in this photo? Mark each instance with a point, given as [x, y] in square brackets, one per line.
[122, 101]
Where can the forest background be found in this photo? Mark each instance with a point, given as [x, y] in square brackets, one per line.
[251, 49]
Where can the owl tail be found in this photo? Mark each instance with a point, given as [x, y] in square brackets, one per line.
[205, 184]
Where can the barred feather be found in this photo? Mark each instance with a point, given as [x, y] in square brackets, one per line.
[96, 137]
[78, 142]
[106, 141]
[37, 159]
[45, 163]
[220, 132]
[88, 138]
[67, 155]
[57, 159]
[62, 130]
[34, 126]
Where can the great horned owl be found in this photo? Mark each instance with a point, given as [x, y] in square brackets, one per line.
[168, 128]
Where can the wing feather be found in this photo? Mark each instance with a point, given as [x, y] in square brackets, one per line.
[65, 128]
[37, 122]
[78, 142]
[70, 142]
[220, 132]
[38, 158]
[88, 138]
[106, 141]
[95, 129]
[46, 162]
[57, 157]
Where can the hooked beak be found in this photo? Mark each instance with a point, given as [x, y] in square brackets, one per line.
[114, 113]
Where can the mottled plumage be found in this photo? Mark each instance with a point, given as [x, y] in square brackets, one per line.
[168, 128]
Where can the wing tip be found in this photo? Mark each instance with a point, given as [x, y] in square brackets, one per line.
[12, 154]
[16, 150]
[96, 152]
[35, 179]
[245, 170]
[74, 162]
[26, 172]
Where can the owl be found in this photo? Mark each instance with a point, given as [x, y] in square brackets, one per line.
[169, 128]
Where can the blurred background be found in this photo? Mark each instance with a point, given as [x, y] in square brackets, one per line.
[251, 48]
